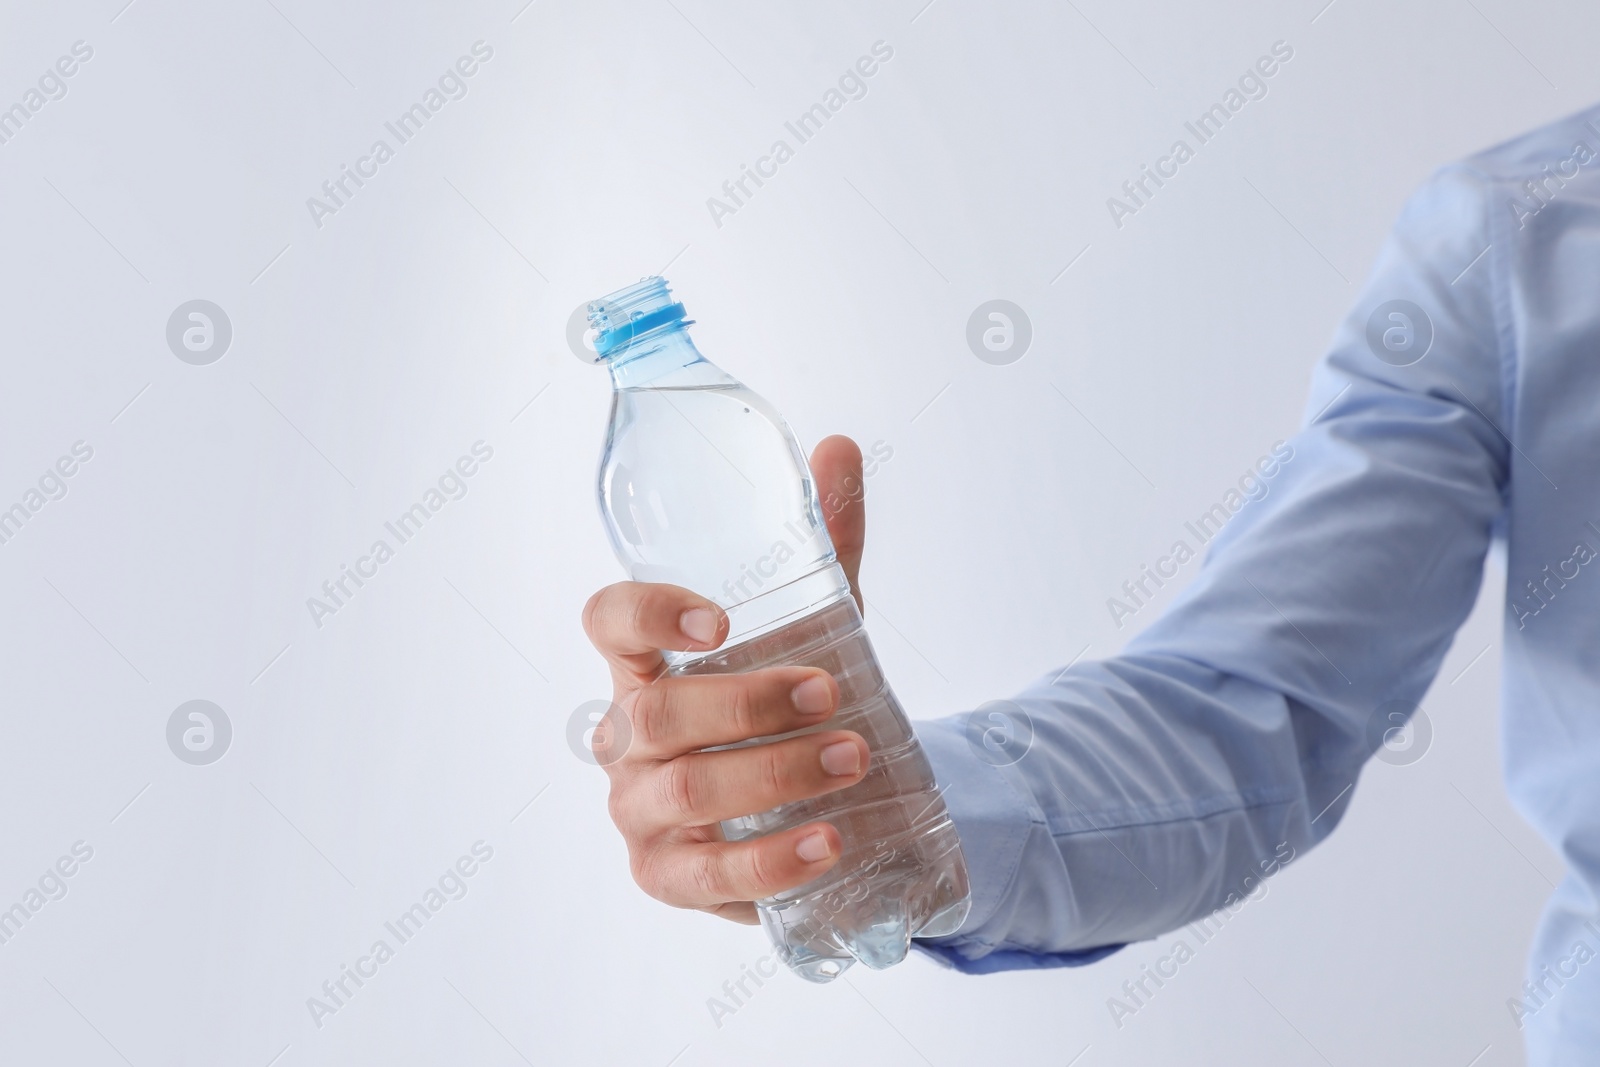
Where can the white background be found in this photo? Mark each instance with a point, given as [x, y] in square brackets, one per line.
[369, 353]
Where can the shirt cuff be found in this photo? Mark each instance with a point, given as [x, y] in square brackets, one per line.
[996, 818]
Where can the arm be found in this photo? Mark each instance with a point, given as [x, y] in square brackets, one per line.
[1234, 727]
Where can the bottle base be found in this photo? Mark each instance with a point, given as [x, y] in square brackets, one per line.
[875, 931]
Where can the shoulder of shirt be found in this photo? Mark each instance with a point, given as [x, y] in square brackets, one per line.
[1515, 159]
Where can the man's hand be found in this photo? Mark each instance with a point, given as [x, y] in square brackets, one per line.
[667, 796]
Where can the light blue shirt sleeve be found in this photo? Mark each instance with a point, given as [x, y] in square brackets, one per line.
[1163, 783]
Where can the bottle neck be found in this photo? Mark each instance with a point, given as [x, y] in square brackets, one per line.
[661, 360]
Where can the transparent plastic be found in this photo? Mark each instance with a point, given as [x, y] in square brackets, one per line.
[703, 484]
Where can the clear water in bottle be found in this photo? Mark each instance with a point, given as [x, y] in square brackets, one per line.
[702, 484]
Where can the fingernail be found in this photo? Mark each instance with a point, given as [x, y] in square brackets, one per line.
[813, 847]
[699, 625]
[811, 697]
[841, 758]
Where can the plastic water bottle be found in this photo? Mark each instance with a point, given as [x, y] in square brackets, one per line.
[702, 484]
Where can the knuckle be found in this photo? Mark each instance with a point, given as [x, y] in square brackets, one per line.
[636, 614]
[763, 871]
[678, 789]
[777, 780]
[645, 866]
[648, 709]
[706, 879]
[599, 609]
[612, 737]
[617, 808]
[629, 808]
[590, 608]
[743, 708]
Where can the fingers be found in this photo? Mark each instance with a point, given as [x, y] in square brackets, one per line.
[836, 465]
[708, 787]
[667, 795]
[678, 715]
[628, 622]
[710, 874]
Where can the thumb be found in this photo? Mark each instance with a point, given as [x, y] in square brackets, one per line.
[836, 466]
